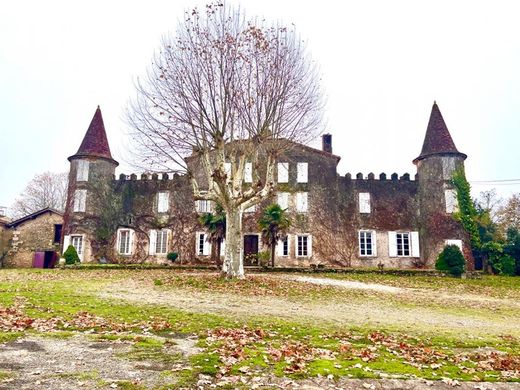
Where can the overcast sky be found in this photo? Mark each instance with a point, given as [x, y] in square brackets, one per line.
[383, 64]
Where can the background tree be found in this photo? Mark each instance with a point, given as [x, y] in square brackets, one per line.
[274, 224]
[215, 225]
[44, 190]
[226, 90]
[508, 214]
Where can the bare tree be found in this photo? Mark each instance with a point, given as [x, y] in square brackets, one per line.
[226, 90]
[508, 214]
[48, 189]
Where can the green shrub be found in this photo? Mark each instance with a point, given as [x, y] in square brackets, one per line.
[70, 255]
[451, 260]
[172, 256]
[501, 262]
[263, 258]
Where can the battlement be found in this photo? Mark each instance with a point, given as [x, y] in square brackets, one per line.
[164, 176]
[405, 177]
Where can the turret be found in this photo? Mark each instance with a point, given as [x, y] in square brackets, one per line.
[438, 161]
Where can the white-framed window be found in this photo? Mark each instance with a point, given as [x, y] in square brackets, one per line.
[77, 243]
[303, 245]
[302, 204]
[248, 172]
[251, 209]
[161, 243]
[203, 206]
[82, 170]
[125, 241]
[202, 247]
[283, 172]
[454, 242]
[283, 200]
[302, 172]
[452, 203]
[364, 202]
[163, 202]
[367, 243]
[403, 244]
[282, 247]
[80, 201]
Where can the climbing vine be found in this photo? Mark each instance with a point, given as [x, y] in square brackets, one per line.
[467, 213]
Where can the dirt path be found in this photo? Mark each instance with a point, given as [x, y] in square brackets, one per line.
[361, 312]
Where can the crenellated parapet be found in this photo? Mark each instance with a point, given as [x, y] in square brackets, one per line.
[405, 177]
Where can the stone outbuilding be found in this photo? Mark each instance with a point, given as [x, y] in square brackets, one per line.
[32, 241]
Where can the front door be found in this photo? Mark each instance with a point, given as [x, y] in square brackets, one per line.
[250, 249]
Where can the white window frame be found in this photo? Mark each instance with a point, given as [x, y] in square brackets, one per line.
[161, 243]
[364, 202]
[80, 201]
[364, 251]
[283, 172]
[203, 206]
[308, 238]
[282, 247]
[163, 202]
[250, 209]
[302, 202]
[201, 242]
[302, 172]
[128, 247]
[82, 170]
[452, 203]
[454, 242]
[248, 172]
[405, 239]
[283, 200]
[413, 244]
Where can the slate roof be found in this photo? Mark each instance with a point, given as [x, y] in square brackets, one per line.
[438, 140]
[95, 142]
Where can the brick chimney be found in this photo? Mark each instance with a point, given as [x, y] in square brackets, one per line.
[326, 142]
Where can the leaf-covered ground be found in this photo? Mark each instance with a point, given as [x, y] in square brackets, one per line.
[137, 329]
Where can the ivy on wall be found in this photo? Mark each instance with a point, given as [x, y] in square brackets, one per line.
[467, 213]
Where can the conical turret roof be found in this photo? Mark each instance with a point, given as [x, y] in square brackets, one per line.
[95, 142]
[438, 140]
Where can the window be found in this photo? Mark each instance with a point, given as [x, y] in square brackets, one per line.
[203, 206]
[282, 248]
[283, 172]
[80, 201]
[301, 202]
[403, 244]
[367, 243]
[124, 241]
[283, 200]
[57, 233]
[452, 204]
[251, 209]
[77, 243]
[303, 246]
[227, 170]
[163, 202]
[161, 243]
[201, 245]
[364, 202]
[248, 173]
[82, 170]
[454, 242]
[301, 169]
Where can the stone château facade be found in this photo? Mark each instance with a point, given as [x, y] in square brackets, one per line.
[337, 220]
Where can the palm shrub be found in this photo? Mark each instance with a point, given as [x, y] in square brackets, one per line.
[70, 255]
[451, 260]
[215, 226]
[274, 224]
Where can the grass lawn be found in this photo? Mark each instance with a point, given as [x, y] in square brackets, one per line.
[194, 328]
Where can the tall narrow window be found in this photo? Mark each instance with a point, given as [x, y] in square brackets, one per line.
[80, 201]
[452, 204]
[302, 169]
[283, 172]
[202, 247]
[364, 202]
[57, 233]
[77, 243]
[367, 243]
[124, 243]
[285, 246]
[161, 243]
[248, 173]
[403, 244]
[82, 170]
[283, 200]
[302, 202]
[303, 246]
[163, 202]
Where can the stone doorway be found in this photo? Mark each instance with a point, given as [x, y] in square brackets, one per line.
[250, 249]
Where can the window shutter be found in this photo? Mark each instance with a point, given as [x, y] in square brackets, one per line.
[66, 242]
[283, 172]
[153, 242]
[374, 243]
[131, 242]
[392, 244]
[207, 246]
[279, 248]
[118, 242]
[364, 202]
[223, 248]
[309, 245]
[302, 170]
[248, 173]
[415, 244]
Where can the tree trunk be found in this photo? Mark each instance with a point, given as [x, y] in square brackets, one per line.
[234, 254]
[217, 257]
[273, 247]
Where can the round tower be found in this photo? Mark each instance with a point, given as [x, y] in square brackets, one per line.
[438, 161]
